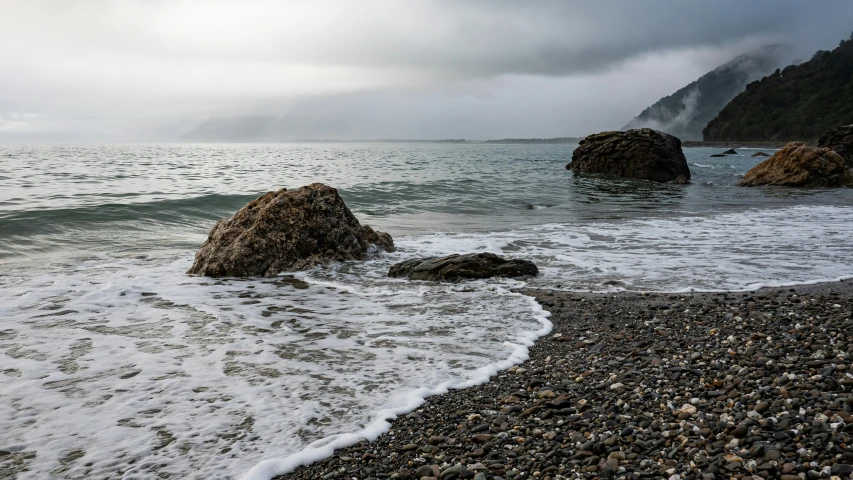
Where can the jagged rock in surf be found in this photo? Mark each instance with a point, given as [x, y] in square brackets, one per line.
[760, 154]
[284, 231]
[799, 165]
[643, 154]
[840, 141]
[457, 267]
[730, 151]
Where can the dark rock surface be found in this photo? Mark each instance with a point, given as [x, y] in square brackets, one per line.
[753, 385]
[759, 154]
[840, 141]
[460, 267]
[799, 165]
[718, 155]
[284, 231]
[730, 151]
[643, 154]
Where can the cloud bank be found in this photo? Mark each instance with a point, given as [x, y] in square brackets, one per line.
[157, 69]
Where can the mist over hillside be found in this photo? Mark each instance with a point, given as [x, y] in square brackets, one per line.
[798, 102]
[686, 112]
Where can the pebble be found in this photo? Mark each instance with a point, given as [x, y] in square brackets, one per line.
[725, 385]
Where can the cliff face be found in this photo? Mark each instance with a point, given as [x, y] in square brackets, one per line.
[797, 103]
[686, 112]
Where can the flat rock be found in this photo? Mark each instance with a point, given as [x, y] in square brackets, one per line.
[460, 267]
[759, 154]
[799, 165]
[644, 154]
[287, 230]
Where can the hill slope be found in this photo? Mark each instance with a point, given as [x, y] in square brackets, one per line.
[798, 103]
[686, 112]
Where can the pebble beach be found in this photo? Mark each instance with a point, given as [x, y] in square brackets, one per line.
[745, 385]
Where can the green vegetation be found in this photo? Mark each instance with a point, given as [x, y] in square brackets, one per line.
[800, 102]
[686, 112]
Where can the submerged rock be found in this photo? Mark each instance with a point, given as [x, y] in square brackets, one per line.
[284, 231]
[643, 154]
[717, 155]
[840, 141]
[460, 267]
[760, 154]
[730, 151]
[799, 165]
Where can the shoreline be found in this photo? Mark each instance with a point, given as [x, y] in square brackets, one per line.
[715, 144]
[619, 389]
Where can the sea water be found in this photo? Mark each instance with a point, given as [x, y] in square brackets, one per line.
[115, 364]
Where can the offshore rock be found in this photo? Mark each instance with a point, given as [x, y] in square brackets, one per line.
[799, 165]
[460, 267]
[284, 231]
[643, 154]
[730, 151]
[840, 141]
[760, 154]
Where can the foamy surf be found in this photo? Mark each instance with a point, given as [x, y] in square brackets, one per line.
[118, 367]
[126, 367]
[324, 448]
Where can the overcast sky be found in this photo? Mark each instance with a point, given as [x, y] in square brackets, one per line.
[135, 70]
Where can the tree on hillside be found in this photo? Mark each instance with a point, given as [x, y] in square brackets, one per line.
[800, 102]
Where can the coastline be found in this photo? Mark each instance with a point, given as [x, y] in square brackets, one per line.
[630, 385]
[715, 144]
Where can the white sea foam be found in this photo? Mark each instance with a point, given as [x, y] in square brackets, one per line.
[731, 251]
[129, 368]
[126, 367]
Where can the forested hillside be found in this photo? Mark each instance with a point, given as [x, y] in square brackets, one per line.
[686, 112]
[797, 103]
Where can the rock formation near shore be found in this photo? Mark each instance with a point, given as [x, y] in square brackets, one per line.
[760, 154]
[799, 165]
[460, 267]
[840, 141]
[643, 154]
[284, 231]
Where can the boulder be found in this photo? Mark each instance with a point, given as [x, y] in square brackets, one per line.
[284, 231]
[840, 141]
[460, 267]
[730, 151]
[799, 165]
[643, 153]
[760, 154]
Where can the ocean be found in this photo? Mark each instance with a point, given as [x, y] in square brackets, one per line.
[115, 364]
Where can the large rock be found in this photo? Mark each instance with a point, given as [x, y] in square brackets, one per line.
[840, 141]
[644, 153]
[459, 267]
[286, 230]
[799, 165]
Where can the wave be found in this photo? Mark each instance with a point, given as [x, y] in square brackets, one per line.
[41, 220]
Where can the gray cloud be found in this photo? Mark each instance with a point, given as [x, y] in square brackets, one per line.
[139, 70]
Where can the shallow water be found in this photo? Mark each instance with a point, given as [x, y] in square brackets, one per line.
[114, 363]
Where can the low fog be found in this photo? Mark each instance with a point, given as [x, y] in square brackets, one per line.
[228, 70]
